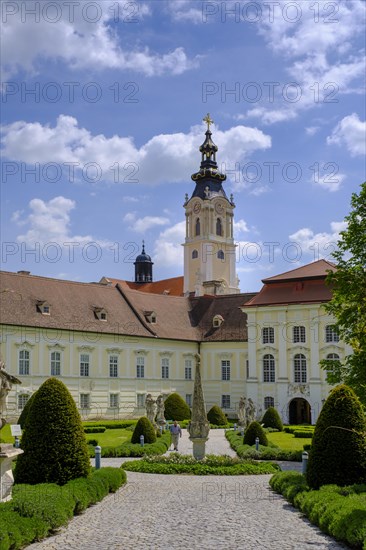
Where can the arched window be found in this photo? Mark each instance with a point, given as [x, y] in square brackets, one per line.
[269, 368]
[268, 402]
[218, 227]
[300, 376]
[198, 227]
[24, 362]
[194, 254]
[221, 255]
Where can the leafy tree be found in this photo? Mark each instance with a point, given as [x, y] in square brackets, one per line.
[54, 444]
[216, 416]
[176, 408]
[348, 304]
[271, 419]
[145, 428]
[253, 431]
[338, 450]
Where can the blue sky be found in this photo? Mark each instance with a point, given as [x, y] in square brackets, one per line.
[102, 108]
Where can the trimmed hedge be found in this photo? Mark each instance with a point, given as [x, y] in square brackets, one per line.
[338, 511]
[264, 453]
[95, 430]
[338, 450]
[130, 449]
[210, 465]
[216, 416]
[54, 443]
[36, 510]
[145, 428]
[176, 408]
[303, 433]
[111, 424]
[271, 419]
[253, 431]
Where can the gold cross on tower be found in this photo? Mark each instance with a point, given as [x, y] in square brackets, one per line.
[208, 121]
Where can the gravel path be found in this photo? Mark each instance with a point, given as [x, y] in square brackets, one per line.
[159, 512]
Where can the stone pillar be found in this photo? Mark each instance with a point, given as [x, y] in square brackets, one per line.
[7, 454]
[199, 426]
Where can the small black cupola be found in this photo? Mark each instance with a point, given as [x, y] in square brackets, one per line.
[209, 179]
[143, 267]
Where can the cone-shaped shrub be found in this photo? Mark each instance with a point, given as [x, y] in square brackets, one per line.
[24, 414]
[54, 444]
[145, 428]
[255, 430]
[338, 450]
[271, 419]
[176, 408]
[216, 416]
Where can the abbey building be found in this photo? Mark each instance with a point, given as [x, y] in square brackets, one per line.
[114, 341]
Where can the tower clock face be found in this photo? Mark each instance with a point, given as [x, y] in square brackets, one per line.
[219, 208]
[196, 208]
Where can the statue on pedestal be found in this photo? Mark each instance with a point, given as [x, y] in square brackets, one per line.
[6, 382]
[250, 411]
[160, 419]
[242, 412]
[150, 406]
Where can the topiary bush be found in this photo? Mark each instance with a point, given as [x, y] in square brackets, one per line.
[338, 451]
[24, 414]
[255, 430]
[54, 444]
[216, 416]
[176, 408]
[271, 419]
[145, 428]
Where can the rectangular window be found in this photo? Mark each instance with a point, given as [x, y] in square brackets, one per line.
[85, 401]
[331, 334]
[22, 400]
[225, 370]
[140, 367]
[140, 400]
[113, 366]
[299, 334]
[114, 400]
[84, 364]
[268, 402]
[189, 399]
[188, 369]
[55, 363]
[165, 367]
[268, 335]
[225, 401]
[24, 362]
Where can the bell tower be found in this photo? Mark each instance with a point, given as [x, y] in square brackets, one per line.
[209, 248]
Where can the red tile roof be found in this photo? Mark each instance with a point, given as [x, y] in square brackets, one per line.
[172, 287]
[316, 269]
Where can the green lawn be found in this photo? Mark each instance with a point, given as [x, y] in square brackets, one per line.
[111, 438]
[5, 434]
[288, 441]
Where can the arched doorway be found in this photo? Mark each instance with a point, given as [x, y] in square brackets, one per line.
[299, 411]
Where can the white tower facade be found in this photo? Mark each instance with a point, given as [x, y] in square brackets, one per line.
[209, 248]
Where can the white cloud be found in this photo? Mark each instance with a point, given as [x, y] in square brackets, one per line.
[351, 132]
[49, 222]
[141, 225]
[168, 246]
[185, 11]
[80, 42]
[240, 227]
[312, 130]
[330, 182]
[164, 158]
[318, 245]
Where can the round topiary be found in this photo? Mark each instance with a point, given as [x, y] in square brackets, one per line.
[24, 414]
[253, 431]
[271, 419]
[338, 450]
[216, 416]
[145, 428]
[54, 444]
[176, 408]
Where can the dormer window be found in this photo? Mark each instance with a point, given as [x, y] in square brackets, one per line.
[44, 308]
[217, 321]
[150, 317]
[100, 313]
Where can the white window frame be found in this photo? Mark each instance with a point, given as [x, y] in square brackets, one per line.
[268, 402]
[113, 366]
[140, 367]
[114, 400]
[84, 365]
[267, 335]
[140, 400]
[22, 400]
[331, 334]
[299, 334]
[188, 369]
[300, 369]
[24, 362]
[165, 368]
[189, 399]
[225, 370]
[55, 360]
[269, 368]
[226, 401]
[85, 401]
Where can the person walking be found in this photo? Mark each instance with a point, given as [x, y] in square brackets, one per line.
[176, 433]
